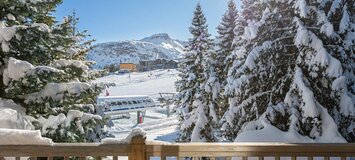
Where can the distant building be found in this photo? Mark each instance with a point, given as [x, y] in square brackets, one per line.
[129, 66]
[157, 64]
[172, 64]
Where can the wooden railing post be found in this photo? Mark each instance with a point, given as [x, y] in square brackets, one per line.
[137, 151]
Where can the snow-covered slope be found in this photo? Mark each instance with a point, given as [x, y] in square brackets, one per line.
[141, 83]
[156, 124]
[150, 48]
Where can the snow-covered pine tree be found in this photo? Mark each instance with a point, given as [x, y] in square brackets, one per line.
[243, 84]
[44, 71]
[225, 47]
[192, 98]
[296, 72]
[211, 90]
[336, 24]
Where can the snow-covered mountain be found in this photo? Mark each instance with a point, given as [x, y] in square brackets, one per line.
[149, 48]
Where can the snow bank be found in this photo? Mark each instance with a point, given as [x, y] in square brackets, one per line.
[272, 134]
[22, 137]
[127, 140]
[262, 131]
[330, 133]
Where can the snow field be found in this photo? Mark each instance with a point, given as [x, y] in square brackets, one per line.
[156, 124]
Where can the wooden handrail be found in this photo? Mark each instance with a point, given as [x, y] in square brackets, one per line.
[64, 149]
[138, 149]
[250, 149]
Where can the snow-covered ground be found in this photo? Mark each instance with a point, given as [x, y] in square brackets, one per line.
[156, 123]
[141, 83]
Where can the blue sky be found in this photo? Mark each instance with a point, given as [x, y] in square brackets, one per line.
[113, 20]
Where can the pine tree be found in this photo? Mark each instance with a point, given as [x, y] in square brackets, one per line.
[46, 73]
[196, 113]
[337, 33]
[211, 90]
[226, 37]
[294, 71]
[243, 84]
[225, 48]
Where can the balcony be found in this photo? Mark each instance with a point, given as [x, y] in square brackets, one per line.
[139, 149]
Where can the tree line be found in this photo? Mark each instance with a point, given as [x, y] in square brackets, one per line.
[287, 64]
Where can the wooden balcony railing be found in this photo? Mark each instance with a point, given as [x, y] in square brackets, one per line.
[139, 149]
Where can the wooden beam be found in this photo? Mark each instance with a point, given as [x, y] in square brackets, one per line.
[137, 151]
[65, 150]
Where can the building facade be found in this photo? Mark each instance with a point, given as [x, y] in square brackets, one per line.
[157, 64]
[128, 66]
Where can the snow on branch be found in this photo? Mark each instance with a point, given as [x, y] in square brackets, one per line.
[67, 63]
[17, 69]
[309, 106]
[13, 116]
[56, 91]
[345, 20]
[251, 31]
[52, 123]
[22, 137]
[7, 33]
[307, 38]
[231, 113]
[254, 54]
[346, 103]
[303, 8]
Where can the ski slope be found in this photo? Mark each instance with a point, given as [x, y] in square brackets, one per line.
[156, 123]
[142, 83]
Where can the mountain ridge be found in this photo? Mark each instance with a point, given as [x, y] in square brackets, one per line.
[156, 46]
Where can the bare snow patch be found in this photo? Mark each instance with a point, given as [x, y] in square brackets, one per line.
[134, 132]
